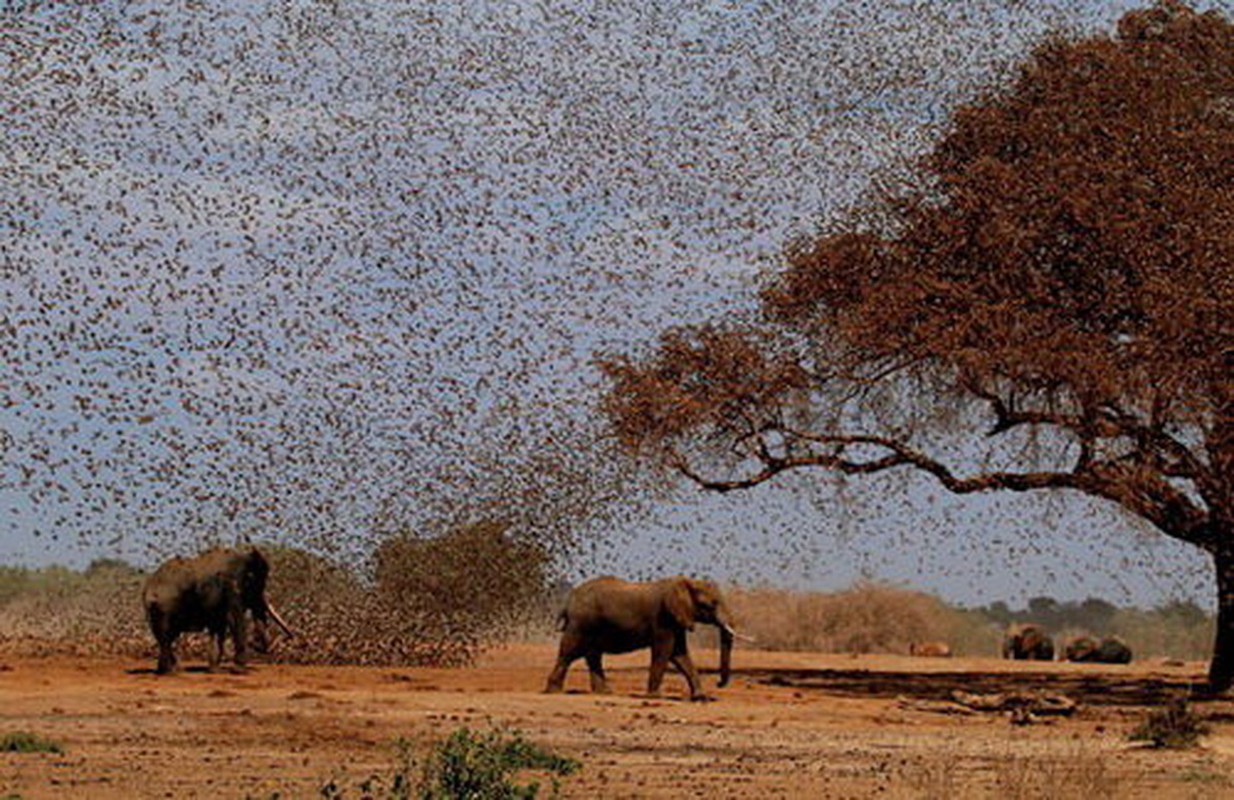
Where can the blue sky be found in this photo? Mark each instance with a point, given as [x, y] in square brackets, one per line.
[282, 269]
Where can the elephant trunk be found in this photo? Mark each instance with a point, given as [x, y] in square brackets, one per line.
[724, 621]
[726, 654]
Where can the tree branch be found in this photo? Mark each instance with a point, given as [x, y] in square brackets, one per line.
[1142, 492]
[1104, 421]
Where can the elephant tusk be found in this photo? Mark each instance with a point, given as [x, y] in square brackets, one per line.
[737, 635]
[279, 619]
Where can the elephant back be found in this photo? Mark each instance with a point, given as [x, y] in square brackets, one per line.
[1028, 642]
[168, 582]
[1113, 650]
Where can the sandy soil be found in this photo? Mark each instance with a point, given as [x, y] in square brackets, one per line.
[790, 725]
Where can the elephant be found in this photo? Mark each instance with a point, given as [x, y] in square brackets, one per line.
[1028, 643]
[1110, 650]
[210, 592]
[930, 649]
[610, 615]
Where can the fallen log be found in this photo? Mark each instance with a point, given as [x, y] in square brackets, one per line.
[1040, 703]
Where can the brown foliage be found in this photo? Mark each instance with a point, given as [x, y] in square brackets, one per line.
[1079, 235]
[1073, 252]
[704, 376]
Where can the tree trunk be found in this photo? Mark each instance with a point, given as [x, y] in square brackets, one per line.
[1221, 670]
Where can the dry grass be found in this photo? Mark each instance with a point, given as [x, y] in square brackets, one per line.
[1081, 771]
[1174, 726]
[63, 611]
[436, 601]
[1077, 771]
[935, 778]
[442, 601]
[867, 618]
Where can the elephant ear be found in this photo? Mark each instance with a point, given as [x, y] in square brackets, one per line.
[256, 563]
[679, 604]
[254, 572]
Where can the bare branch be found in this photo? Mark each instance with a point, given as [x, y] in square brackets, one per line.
[1139, 491]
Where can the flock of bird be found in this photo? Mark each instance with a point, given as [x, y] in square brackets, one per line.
[323, 272]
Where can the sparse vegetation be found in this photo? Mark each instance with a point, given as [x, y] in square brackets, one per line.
[1175, 726]
[872, 617]
[433, 600]
[1179, 629]
[26, 742]
[1079, 773]
[471, 764]
[72, 610]
[936, 778]
[468, 765]
[866, 618]
[491, 585]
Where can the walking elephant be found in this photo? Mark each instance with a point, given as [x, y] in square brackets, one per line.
[610, 615]
[1028, 643]
[210, 592]
[1086, 649]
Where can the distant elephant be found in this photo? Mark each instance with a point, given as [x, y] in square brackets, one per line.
[930, 649]
[1086, 649]
[1081, 648]
[609, 615]
[210, 592]
[1028, 643]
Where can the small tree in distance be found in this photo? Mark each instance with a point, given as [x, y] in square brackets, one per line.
[1066, 273]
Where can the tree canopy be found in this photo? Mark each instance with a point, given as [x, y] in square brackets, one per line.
[1063, 270]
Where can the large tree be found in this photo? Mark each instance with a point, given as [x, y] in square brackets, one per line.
[1063, 271]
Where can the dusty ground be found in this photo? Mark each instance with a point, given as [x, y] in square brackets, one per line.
[791, 725]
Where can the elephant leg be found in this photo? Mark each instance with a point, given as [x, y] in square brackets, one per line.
[239, 638]
[167, 655]
[569, 652]
[661, 652]
[595, 663]
[216, 649]
[685, 665]
[165, 635]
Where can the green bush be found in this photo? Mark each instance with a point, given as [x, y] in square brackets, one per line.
[479, 766]
[469, 765]
[1175, 726]
[25, 742]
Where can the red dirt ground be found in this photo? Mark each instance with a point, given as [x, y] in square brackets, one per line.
[790, 725]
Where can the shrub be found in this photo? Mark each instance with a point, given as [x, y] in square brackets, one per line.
[479, 766]
[469, 586]
[1175, 726]
[469, 765]
[866, 618]
[25, 742]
